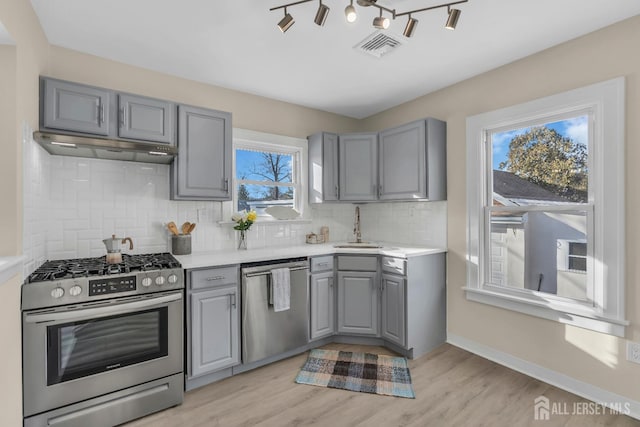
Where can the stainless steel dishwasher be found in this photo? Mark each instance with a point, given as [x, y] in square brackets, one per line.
[266, 332]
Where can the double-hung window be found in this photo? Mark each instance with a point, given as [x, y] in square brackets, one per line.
[266, 173]
[545, 197]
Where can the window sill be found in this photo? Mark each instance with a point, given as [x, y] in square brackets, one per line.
[546, 311]
[274, 221]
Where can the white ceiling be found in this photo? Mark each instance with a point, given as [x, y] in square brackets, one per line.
[236, 44]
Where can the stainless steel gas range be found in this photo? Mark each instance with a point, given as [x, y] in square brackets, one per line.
[102, 343]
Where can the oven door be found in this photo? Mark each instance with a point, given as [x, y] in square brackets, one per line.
[70, 355]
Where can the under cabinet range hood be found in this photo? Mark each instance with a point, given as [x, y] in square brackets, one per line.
[108, 149]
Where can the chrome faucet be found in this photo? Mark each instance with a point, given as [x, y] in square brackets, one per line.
[356, 226]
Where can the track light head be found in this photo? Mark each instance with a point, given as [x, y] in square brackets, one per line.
[452, 20]
[286, 22]
[410, 27]
[321, 14]
[350, 13]
[381, 22]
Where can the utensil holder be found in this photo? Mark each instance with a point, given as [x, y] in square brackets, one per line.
[181, 244]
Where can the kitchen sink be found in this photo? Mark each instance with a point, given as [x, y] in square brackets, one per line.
[358, 245]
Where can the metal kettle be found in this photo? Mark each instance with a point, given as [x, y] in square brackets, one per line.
[113, 248]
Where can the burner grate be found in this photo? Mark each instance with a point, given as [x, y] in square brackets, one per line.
[89, 267]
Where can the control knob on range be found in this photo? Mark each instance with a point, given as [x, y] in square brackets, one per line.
[146, 282]
[75, 291]
[172, 278]
[57, 292]
[159, 280]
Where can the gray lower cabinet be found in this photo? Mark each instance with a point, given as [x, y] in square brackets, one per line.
[323, 167]
[213, 334]
[146, 119]
[393, 320]
[357, 302]
[202, 169]
[74, 107]
[322, 304]
[358, 166]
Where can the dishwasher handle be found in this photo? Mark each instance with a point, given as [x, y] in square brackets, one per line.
[268, 272]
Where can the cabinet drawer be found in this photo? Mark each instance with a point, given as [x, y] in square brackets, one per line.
[212, 277]
[357, 263]
[393, 265]
[322, 263]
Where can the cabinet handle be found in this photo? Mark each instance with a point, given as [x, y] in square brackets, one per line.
[100, 111]
[226, 185]
[323, 264]
[210, 279]
[336, 191]
[379, 190]
[123, 117]
[233, 300]
[331, 283]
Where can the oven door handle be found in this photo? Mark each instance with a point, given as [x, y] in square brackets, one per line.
[94, 312]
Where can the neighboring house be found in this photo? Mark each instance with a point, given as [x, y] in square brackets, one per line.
[553, 245]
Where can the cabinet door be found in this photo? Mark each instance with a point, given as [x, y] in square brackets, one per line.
[393, 309]
[403, 162]
[202, 170]
[214, 330]
[323, 167]
[146, 119]
[358, 165]
[322, 311]
[357, 303]
[74, 107]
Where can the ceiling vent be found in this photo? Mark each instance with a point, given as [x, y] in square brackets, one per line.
[379, 43]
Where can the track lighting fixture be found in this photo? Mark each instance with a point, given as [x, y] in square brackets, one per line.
[452, 20]
[286, 22]
[321, 14]
[410, 27]
[350, 13]
[380, 21]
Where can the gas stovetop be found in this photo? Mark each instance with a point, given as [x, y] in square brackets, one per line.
[78, 281]
[89, 267]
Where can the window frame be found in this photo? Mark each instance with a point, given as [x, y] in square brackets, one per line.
[258, 141]
[605, 103]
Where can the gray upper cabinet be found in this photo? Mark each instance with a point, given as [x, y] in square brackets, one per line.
[358, 167]
[202, 169]
[146, 119]
[413, 161]
[74, 107]
[323, 167]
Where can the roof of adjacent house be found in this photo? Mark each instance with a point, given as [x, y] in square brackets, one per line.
[512, 187]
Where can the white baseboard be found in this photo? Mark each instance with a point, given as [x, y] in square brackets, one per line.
[554, 378]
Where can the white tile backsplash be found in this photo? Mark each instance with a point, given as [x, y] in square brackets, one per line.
[71, 204]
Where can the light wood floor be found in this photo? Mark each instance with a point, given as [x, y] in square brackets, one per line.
[453, 388]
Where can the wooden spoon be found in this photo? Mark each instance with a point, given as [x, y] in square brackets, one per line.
[173, 229]
[185, 227]
[191, 227]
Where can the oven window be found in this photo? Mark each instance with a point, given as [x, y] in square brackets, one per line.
[80, 349]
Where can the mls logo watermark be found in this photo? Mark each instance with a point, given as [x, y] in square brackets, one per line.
[541, 409]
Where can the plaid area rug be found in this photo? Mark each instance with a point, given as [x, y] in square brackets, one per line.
[364, 372]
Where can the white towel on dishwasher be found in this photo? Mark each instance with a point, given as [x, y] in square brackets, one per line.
[281, 289]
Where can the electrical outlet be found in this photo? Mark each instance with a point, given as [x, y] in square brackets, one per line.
[633, 352]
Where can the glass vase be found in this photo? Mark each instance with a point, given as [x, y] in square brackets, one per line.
[242, 240]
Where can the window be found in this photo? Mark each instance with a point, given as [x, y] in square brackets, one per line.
[266, 173]
[546, 207]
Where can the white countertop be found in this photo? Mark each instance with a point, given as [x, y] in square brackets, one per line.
[9, 266]
[228, 257]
